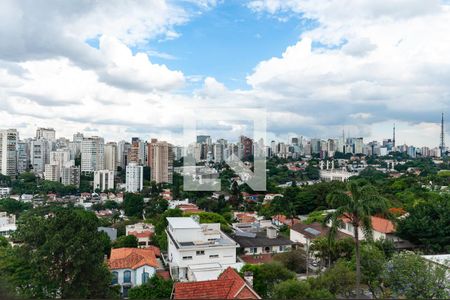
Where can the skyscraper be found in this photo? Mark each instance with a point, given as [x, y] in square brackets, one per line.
[92, 154]
[161, 158]
[8, 158]
[134, 178]
[46, 133]
[111, 156]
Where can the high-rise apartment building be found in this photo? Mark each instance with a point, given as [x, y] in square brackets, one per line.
[160, 155]
[103, 180]
[111, 156]
[71, 175]
[92, 154]
[39, 155]
[46, 133]
[8, 158]
[23, 156]
[134, 178]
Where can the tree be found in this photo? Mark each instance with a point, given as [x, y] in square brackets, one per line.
[371, 260]
[12, 206]
[330, 250]
[160, 237]
[338, 280]
[411, 276]
[156, 206]
[125, 241]
[266, 276]
[155, 288]
[293, 260]
[428, 224]
[357, 206]
[133, 205]
[295, 289]
[61, 256]
[3, 242]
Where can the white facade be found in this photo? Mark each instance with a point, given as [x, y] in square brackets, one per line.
[198, 251]
[39, 155]
[5, 191]
[70, 175]
[128, 278]
[46, 133]
[103, 180]
[8, 158]
[52, 172]
[92, 154]
[111, 156]
[134, 178]
[7, 224]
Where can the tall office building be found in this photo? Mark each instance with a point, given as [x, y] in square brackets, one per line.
[247, 147]
[137, 151]
[123, 147]
[92, 154]
[8, 158]
[161, 158]
[203, 139]
[103, 180]
[218, 152]
[134, 178]
[111, 156]
[52, 172]
[46, 133]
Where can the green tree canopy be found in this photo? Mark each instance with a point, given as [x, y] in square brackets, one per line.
[155, 288]
[133, 205]
[125, 241]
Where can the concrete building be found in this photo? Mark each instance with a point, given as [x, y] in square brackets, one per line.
[111, 156]
[103, 180]
[7, 224]
[161, 159]
[70, 175]
[52, 172]
[48, 134]
[8, 158]
[39, 155]
[92, 154]
[23, 156]
[134, 180]
[196, 251]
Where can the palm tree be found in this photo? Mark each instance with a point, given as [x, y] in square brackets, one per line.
[357, 206]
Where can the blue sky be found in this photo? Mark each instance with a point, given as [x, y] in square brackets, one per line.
[227, 42]
[343, 68]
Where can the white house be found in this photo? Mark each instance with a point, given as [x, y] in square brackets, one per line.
[198, 252]
[5, 191]
[7, 224]
[132, 266]
[142, 231]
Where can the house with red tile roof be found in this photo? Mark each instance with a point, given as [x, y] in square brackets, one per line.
[229, 285]
[142, 231]
[132, 266]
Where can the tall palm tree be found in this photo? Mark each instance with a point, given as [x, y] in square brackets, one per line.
[357, 206]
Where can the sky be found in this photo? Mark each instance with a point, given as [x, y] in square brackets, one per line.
[120, 69]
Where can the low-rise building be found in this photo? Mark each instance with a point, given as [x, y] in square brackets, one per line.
[198, 251]
[5, 192]
[255, 241]
[132, 266]
[142, 231]
[229, 285]
[7, 224]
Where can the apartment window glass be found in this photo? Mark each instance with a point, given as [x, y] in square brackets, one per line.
[187, 257]
[127, 277]
[201, 252]
[214, 256]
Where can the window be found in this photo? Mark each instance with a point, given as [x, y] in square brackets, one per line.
[201, 252]
[127, 277]
[214, 256]
[254, 250]
[187, 257]
[145, 277]
[115, 277]
[281, 248]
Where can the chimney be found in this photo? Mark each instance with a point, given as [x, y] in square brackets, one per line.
[248, 277]
[271, 232]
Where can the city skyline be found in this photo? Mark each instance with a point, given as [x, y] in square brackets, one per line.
[315, 72]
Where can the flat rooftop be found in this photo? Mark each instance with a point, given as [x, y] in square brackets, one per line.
[183, 223]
